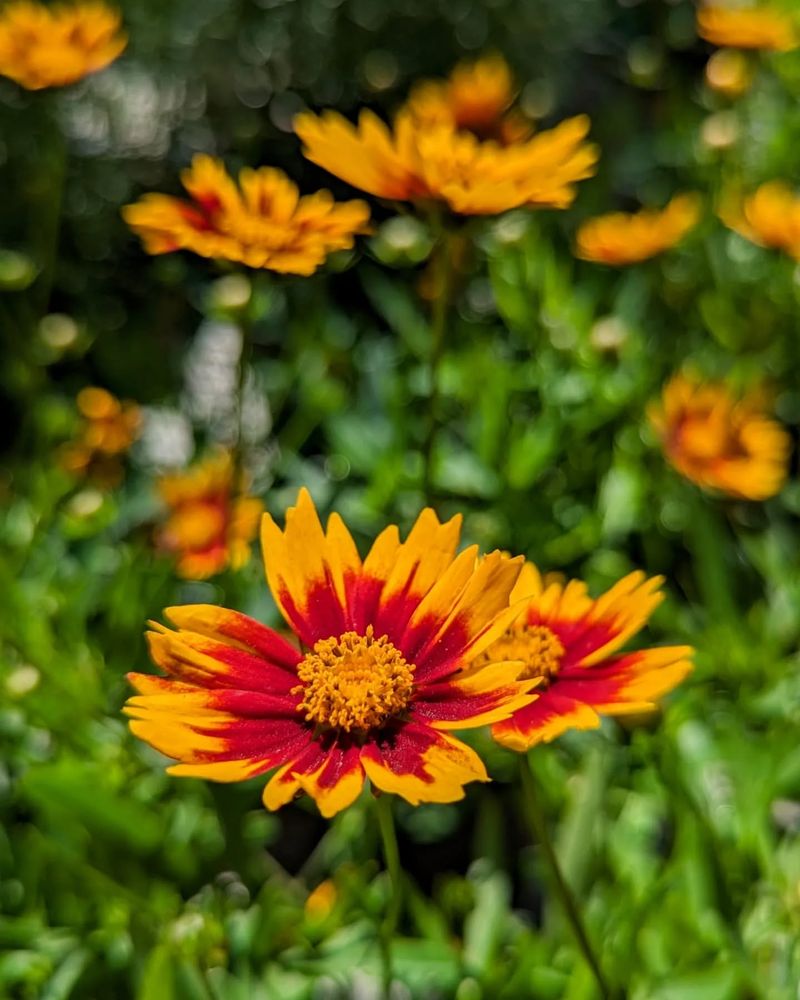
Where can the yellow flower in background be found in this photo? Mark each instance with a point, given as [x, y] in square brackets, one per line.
[757, 27]
[209, 526]
[476, 97]
[261, 223]
[437, 149]
[769, 217]
[52, 46]
[321, 901]
[719, 440]
[621, 238]
[108, 429]
[729, 72]
[378, 676]
[571, 643]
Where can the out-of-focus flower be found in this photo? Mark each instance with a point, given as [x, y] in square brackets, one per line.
[321, 901]
[379, 676]
[571, 643]
[108, 429]
[719, 440]
[476, 97]
[437, 150]
[758, 27]
[262, 223]
[45, 45]
[729, 72]
[621, 238]
[769, 217]
[209, 526]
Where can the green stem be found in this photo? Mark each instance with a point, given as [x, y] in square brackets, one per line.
[50, 225]
[709, 541]
[391, 854]
[443, 272]
[238, 481]
[539, 824]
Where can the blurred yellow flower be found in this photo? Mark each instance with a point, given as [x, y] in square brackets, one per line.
[52, 46]
[209, 526]
[769, 217]
[621, 238]
[262, 223]
[757, 27]
[476, 97]
[729, 72]
[109, 427]
[454, 142]
[719, 440]
[321, 901]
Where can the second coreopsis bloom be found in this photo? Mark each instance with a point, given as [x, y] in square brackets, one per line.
[756, 27]
[719, 440]
[262, 222]
[378, 675]
[437, 150]
[476, 97]
[108, 429]
[210, 525]
[571, 642]
[54, 45]
[621, 238]
[769, 217]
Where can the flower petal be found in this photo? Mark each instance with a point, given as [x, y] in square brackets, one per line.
[629, 683]
[421, 764]
[476, 699]
[544, 719]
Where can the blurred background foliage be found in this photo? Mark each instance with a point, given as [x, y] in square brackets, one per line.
[681, 836]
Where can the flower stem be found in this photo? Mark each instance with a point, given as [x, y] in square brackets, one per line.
[709, 540]
[571, 910]
[50, 224]
[443, 273]
[391, 855]
[238, 486]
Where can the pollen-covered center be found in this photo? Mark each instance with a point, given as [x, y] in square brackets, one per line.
[536, 645]
[354, 682]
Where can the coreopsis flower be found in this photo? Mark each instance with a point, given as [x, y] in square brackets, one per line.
[210, 524]
[476, 97]
[262, 223]
[108, 429]
[571, 643]
[769, 217]
[54, 45]
[430, 157]
[719, 440]
[621, 238]
[377, 676]
[757, 27]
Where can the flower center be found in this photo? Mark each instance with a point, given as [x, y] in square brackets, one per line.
[536, 645]
[354, 682]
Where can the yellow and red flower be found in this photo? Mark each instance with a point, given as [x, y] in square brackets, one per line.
[769, 217]
[719, 440]
[54, 45]
[378, 676]
[109, 428]
[476, 97]
[621, 238]
[210, 526]
[758, 27]
[262, 223]
[571, 643]
[440, 149]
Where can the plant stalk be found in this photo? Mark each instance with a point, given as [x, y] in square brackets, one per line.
[391, 855]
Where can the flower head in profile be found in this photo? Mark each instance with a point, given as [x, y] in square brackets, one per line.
[621, 238]
[757, 27]
[445, 145]
[108, 429]
[769, 217]
[210, 524]
[262, 222]
[571, 642]
[377, 676]
[720, 440]
[477, 97]
[44, 45]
